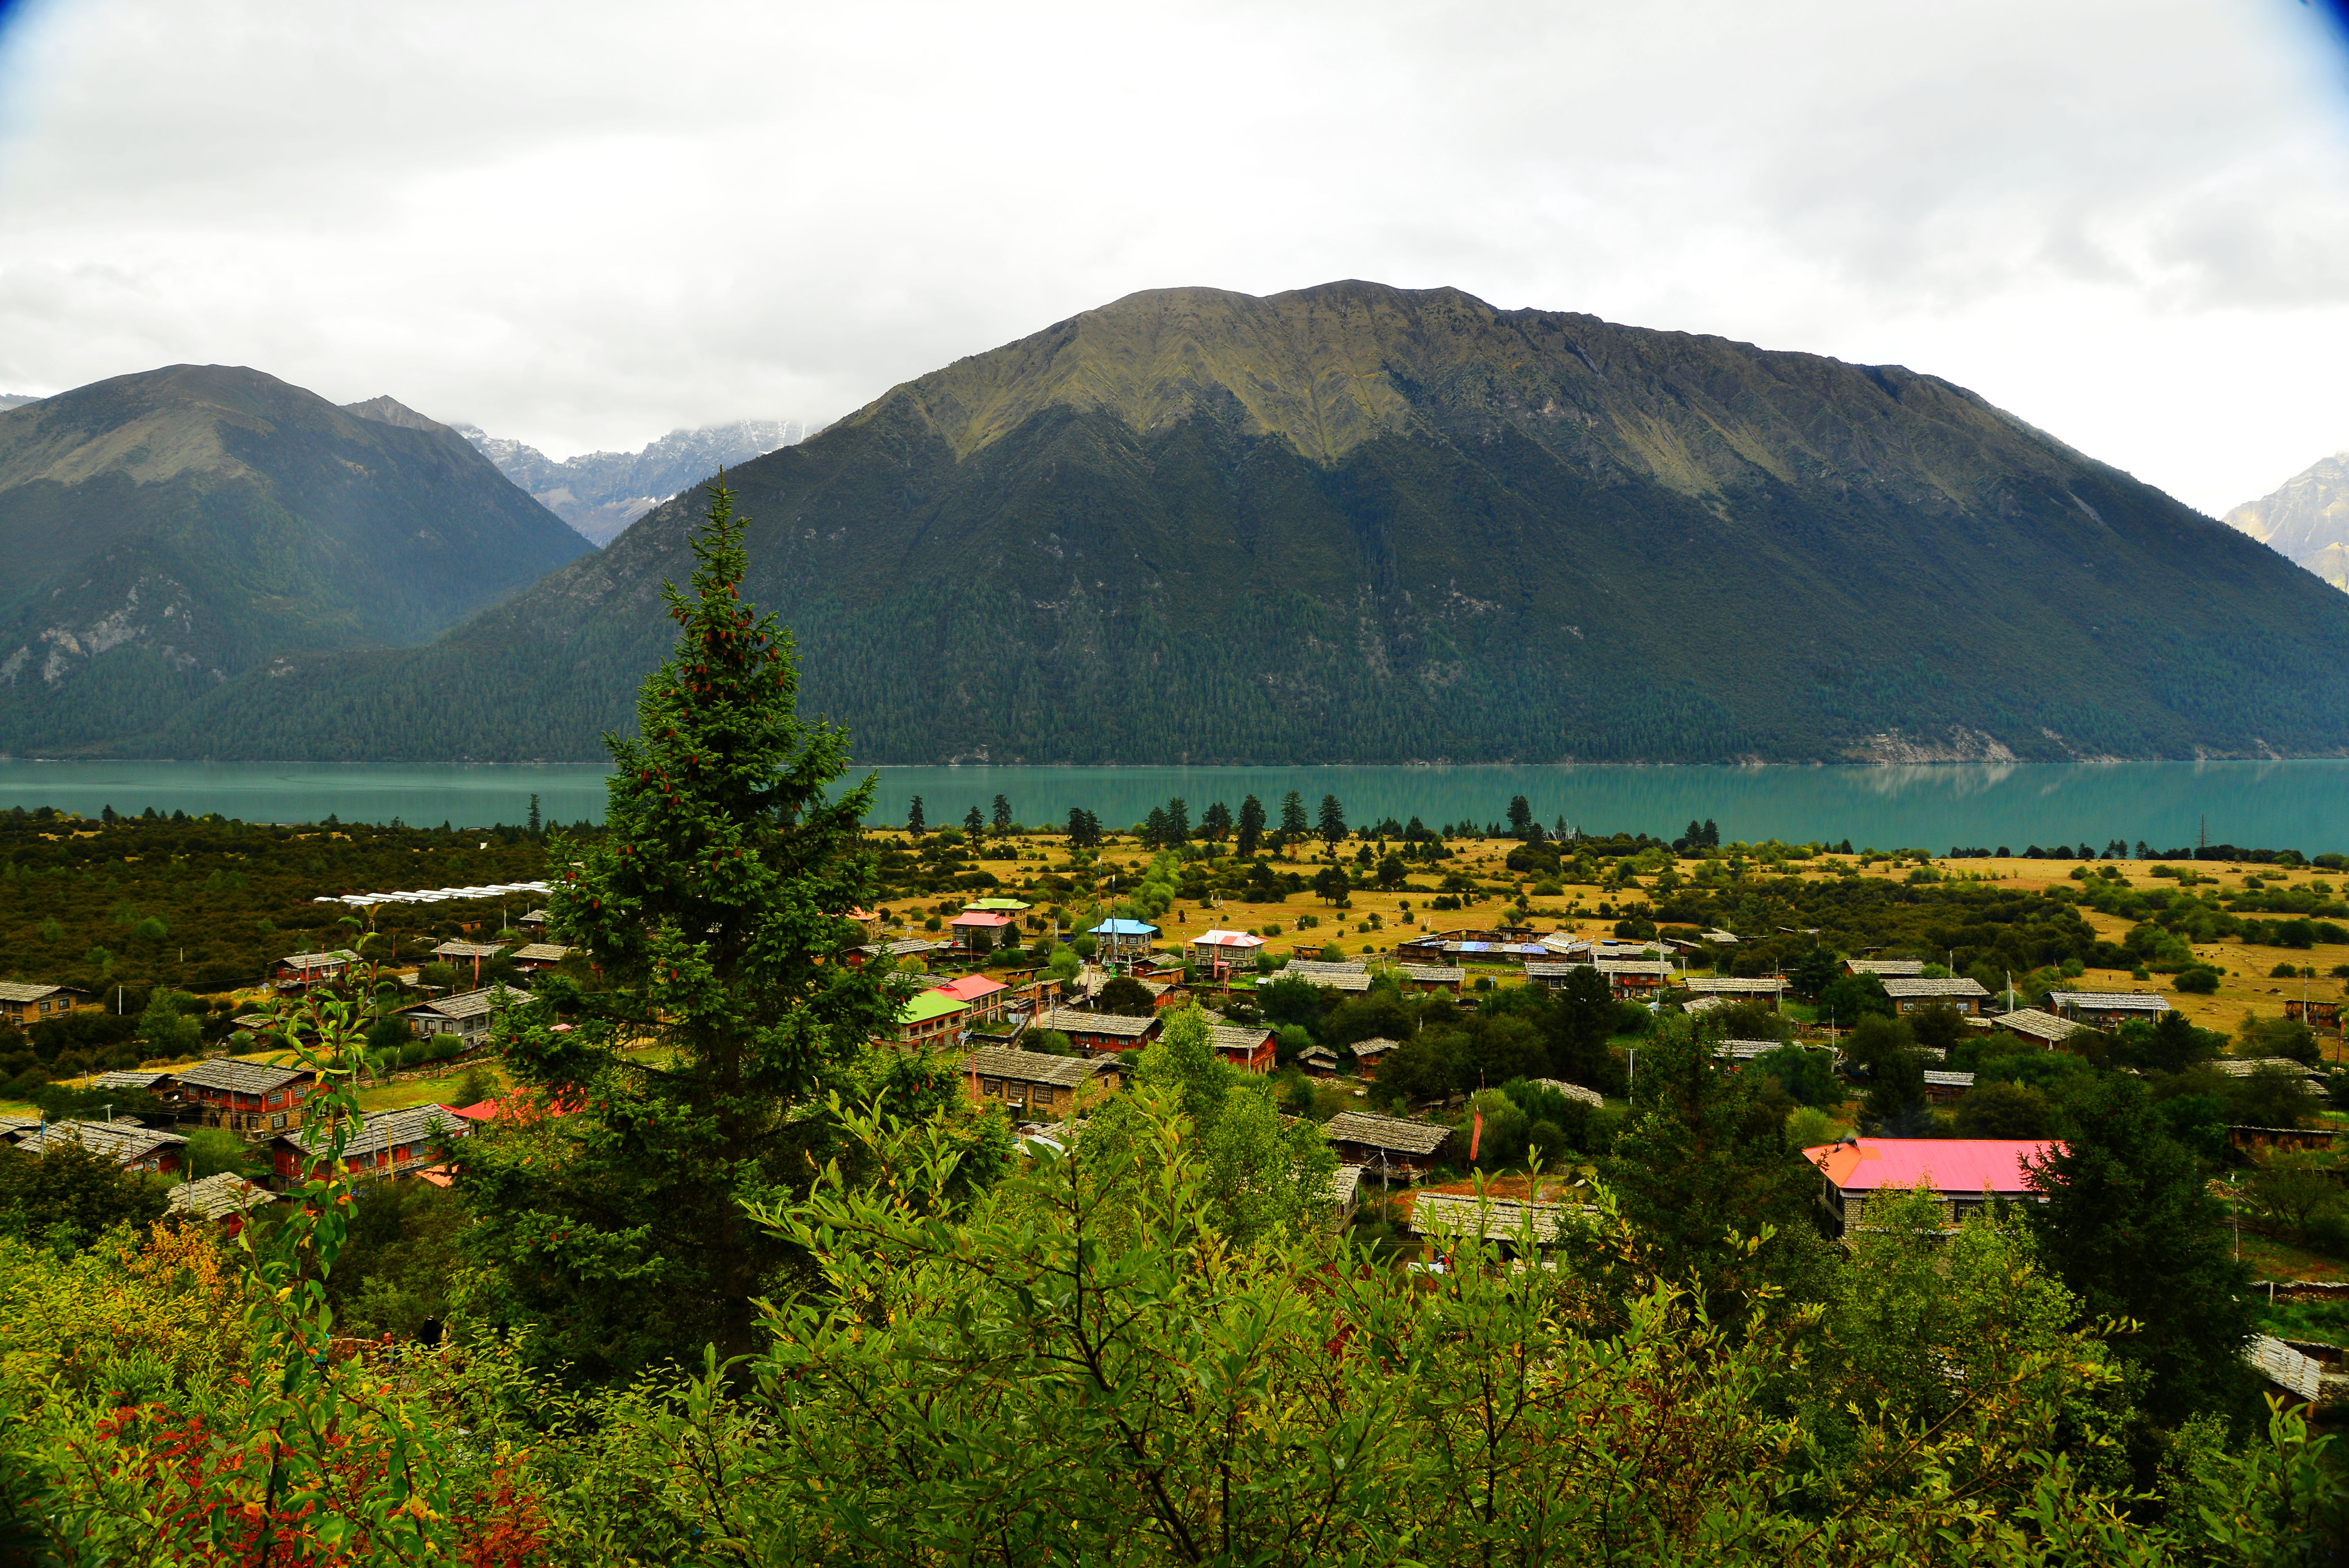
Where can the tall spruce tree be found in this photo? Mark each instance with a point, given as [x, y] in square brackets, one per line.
[686, 1083]
[1251, 827]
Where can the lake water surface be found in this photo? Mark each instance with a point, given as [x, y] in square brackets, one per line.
[2301, 805]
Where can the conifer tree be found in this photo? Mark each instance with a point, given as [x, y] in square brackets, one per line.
[713, 904]
[1002, 820]
[973, 823]
[915, 824]
[1293, 825]
[1251, 830]
[1333, 821]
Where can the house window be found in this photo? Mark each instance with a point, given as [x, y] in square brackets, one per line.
[278, 1121]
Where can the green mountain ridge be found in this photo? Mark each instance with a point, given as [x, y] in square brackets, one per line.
[172, 531]
[1361, 523]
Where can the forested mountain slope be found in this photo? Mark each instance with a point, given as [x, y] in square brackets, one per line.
[1355, 522]
[2306, 521]
[170, 532]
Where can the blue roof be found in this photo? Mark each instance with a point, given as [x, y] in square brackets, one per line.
[1123, 928]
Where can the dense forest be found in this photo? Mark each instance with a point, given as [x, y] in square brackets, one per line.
[1356, 523]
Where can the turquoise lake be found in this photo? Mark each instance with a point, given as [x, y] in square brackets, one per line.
[2301, 805]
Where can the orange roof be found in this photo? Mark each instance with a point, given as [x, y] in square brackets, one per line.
[1940, 1164]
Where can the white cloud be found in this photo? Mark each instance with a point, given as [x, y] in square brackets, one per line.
[582, 225]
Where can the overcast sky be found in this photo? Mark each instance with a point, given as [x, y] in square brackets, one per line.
[585, 225]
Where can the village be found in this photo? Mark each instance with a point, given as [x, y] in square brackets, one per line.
[1045, 1024]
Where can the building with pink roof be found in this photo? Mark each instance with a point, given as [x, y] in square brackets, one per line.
[984, 997]
[1221, 951]
[1966, 1172]
[981, 930]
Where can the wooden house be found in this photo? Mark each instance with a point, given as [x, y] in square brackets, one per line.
[1945, 1088]
[533, 925]
[2266, 1140]
[223, 1199]
[386, 1143]
[1384, 1143]
[1967, 1173]
[1367, 1053]
[1738, 988]
[1635, 979]
[1886, 968]
[983, 930]
[250, 1099]
[1250, 1049]
[25, 1004]
[467, 1015]
[2039, 1028]
[1318, 1061]
[1913, 993]
[457, 954]
[984, 1000]
[300, 971]
[536, 958]
[2314, 1011]
[1035, 1085]
[931, 1021]
[1095, 1033]
[1220, 955]
[2099, 1009]
[1115, 939]
[1431, 977]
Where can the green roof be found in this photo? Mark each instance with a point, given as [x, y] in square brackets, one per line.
[995, 903]
[931, 1005]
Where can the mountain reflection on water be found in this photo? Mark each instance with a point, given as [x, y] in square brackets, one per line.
[2301, 805]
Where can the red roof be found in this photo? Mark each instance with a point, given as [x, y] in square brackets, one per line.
[1943, 1164]
[1228, 939]
[490, 1109]
[981, 917]
[971, 987]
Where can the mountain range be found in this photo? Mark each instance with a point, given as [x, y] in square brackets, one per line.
[2307, 520]
[1361, 523]
[600, 493]
[171, 533]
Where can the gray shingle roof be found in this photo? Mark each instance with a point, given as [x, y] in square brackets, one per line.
[470, 1003]
[1662, 966]
[2111, 1001]
[19, 991]
[1435, 974]
[1377, 1045]
[236, 1076]
[1077, 1021]
[468, 950]
[1305, 967]
[1233, 1038]
[125, 1141]
[1885, 967]
[2037, 1025]
[1571, 1090]
[1503, 1219]
[1949, 1080]
[1899, 986]
[1030, 1066]
[216, 1197]
[1345, 1183]
[1336, 981]
[319, 960]
[1726, 986]
[126, 1081]
[1746, 1050]
[1384, 1133]
[384, 1129]
[541, 953]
